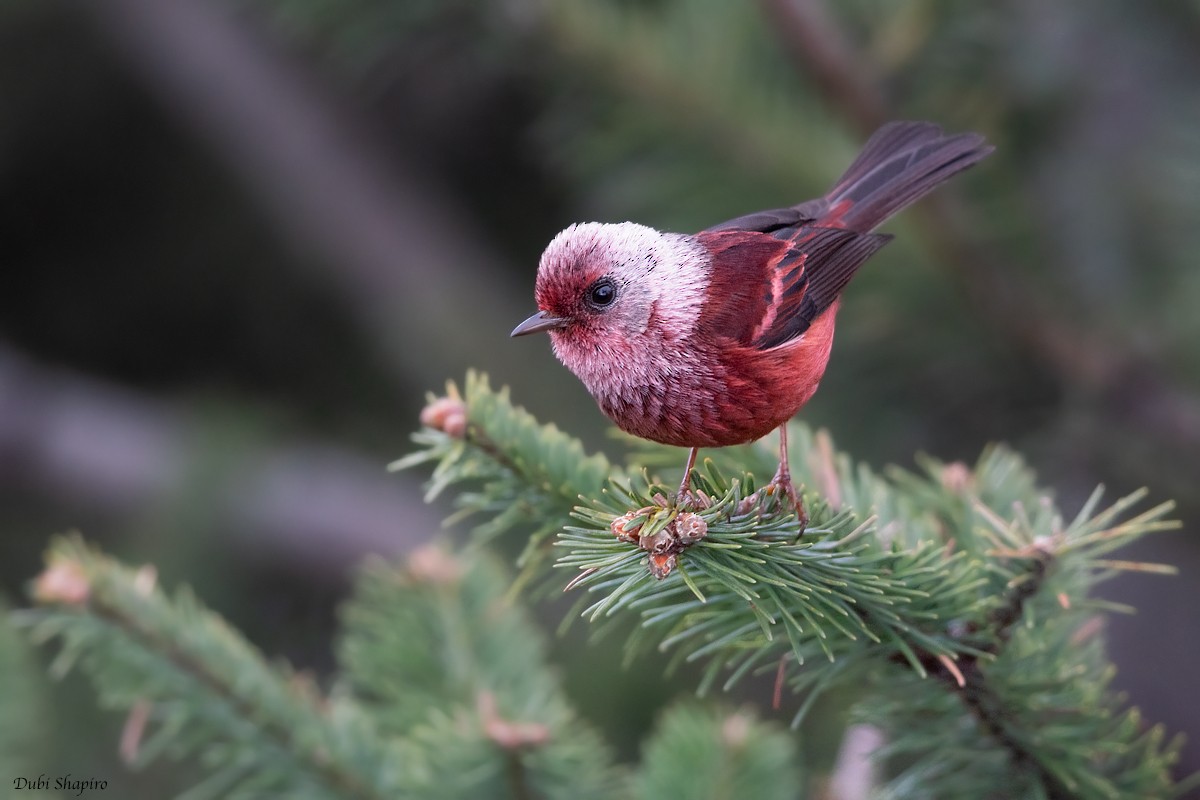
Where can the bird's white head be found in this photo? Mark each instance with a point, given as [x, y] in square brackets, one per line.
[609, 291]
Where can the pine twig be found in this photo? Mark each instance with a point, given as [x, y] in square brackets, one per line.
[344, 782]
[93, 604]
[933, 579]
[967, 679]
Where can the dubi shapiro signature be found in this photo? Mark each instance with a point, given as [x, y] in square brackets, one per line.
[62, 783]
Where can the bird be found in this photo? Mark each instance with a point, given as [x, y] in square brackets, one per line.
[718, 338]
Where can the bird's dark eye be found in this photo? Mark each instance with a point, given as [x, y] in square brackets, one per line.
[601, 294]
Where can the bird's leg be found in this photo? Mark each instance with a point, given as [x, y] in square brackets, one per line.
[782, 482]
[685, 490]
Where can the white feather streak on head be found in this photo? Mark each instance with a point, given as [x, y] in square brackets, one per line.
[669, 271]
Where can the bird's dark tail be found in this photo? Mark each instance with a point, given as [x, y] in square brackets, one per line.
[900, 164]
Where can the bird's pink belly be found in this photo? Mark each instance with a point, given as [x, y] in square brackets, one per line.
[737, 400]
[689, 413]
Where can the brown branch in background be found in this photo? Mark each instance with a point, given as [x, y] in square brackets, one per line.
[117, 452]
[1125, 382]
[815, 43]
[969, 682]
[990, 712]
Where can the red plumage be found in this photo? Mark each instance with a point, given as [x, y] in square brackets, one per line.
[718, 338]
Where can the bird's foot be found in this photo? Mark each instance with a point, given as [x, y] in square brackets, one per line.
[685, 498]
[689, 499]
[781, 486]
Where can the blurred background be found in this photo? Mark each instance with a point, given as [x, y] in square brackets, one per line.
[241, 240]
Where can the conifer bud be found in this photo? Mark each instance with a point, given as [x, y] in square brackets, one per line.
[620, 527]
[432, 564]
[690, 528]
[446, 414]
[63, 581]
[662, 564]
[735, 730]
[661, 542]
[507, 734]
[956, 477]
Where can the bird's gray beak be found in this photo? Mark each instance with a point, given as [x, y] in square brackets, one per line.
[541, 321]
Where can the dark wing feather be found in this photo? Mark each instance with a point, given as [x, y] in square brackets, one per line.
[767, 288]
[740, 285]
[812, 276]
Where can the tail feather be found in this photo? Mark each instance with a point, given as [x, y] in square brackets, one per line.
[901, 163]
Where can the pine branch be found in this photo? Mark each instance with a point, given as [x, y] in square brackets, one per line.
[437, 631]
[752, 588]
[961, 608]
[529, 476]
[435, 650]
[969, 575]
[208, 691]
[445, 692]
[1054, 736]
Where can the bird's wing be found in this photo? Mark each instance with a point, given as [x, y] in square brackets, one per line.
[766, 288]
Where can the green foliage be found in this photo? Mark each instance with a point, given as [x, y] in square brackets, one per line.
[1046, 694]
[961, 596]
[703, 754]
[258, 728]
[754, 588]
[433, 637]
[409, 643]
[444, 693]
[22, 704]
[957, 602]
[551, 467]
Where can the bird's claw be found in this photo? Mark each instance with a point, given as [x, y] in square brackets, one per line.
[689, 499]
[781, 485]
